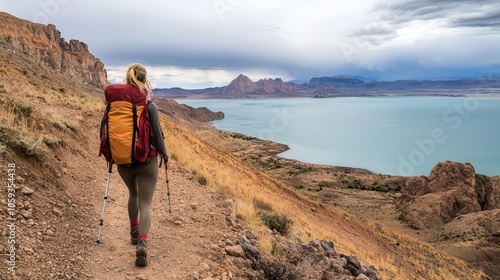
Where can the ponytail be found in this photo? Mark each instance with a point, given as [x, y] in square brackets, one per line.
[136, 76]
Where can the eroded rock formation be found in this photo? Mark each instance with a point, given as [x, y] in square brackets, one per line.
[44, 44]
[452, 189]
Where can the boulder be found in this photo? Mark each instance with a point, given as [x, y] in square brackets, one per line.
[451, 189]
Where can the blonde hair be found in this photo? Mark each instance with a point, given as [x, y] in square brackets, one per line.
[136, 76]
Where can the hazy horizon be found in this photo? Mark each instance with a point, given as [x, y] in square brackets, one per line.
[365, 79]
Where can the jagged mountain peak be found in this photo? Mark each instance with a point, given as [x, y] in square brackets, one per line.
[242, 85]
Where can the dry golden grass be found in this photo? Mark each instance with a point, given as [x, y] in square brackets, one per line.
[395, 256]
[38, 113]
[7, 115]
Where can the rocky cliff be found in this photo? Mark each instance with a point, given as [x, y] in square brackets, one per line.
[452, 189]
[44, 45]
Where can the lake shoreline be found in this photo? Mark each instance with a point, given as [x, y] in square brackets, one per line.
[386, 135]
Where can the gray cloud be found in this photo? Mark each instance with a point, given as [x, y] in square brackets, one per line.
[389, 17]
[296, 38]
[404, 11]
[491, 19]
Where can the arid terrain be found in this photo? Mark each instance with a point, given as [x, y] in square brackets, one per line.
[238, 210]
[376, 198]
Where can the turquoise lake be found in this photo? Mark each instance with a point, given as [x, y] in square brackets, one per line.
[388, 135]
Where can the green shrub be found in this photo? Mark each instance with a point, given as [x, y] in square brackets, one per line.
[59, 125]
[202, 180]
[12, 137]
[281, 223]
[24, 110]
[31, 148]
[52, 141]
[8, 135]
[65, 125]
[73, 126]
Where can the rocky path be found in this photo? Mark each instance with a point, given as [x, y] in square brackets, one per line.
[185, 244]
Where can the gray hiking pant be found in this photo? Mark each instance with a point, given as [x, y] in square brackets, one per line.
[141, 183]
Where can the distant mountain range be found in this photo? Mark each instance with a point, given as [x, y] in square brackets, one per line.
[342, 85]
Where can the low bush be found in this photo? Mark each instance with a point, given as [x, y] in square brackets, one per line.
[65, 125]
[52, 141]
[73, 126]
[31, 148]
[280, 223]
[299, 187]
[13, 138]
[202, 180]
[23, 110]
[59, 125]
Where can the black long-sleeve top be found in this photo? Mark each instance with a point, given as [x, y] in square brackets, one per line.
[155, 124]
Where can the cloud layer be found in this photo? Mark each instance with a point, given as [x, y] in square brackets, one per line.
[198, 43]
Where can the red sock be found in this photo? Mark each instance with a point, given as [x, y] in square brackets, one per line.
[134, 223]
[143, 236]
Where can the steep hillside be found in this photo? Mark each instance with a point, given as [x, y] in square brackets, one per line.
[396, 254]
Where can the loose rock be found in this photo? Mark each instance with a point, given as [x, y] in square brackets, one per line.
[57, 212]
[235, 251]
[27, 191]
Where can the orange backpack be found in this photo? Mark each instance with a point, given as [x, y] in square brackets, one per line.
[125, 126]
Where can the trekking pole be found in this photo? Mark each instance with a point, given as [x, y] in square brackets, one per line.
[168, 188]
[104, 204]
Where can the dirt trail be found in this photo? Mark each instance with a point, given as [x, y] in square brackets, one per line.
[185, 244]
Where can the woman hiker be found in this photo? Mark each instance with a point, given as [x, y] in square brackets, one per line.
[141, 179]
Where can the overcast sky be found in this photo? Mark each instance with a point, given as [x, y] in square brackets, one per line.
[205, 43]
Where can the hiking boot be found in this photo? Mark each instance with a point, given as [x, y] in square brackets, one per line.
[134, 235]
[141, 253]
